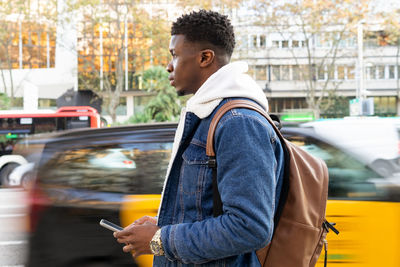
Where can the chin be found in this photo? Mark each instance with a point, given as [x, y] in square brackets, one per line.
[184, 91]
[181, 93]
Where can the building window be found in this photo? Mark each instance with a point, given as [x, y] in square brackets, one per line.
[300, 72]
[261, 72]
[341, 72]
[370, 72]
[251, 71]
[35, 40]
[262, 41]
[254, 40]
[279, 105]
[140, 103]
[321, 73]
[351, 72]
[258, 41]
[296, 73]
[377, 38]
[391, 70]
[122, 107]
[47, 103]
[331, 72]
[321, 40]
[296, 43]
[385, 105]
[276, 43]
[242, 42]
[285, 44]
[276, 73]
[380, 71]
[285, 72]
[398, 71]
[280, 73]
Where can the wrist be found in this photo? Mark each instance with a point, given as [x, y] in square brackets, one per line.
[156, 246]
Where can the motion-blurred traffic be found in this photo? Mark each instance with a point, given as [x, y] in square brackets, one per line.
[117, 173]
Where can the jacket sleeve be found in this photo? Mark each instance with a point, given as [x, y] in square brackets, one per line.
[246, 166]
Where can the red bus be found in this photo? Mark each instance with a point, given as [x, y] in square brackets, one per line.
[23, 122]
[17, 124]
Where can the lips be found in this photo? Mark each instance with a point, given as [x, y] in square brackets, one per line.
[171, 81]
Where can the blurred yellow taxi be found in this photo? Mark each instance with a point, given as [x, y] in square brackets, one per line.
[117, 174]
[363, 204]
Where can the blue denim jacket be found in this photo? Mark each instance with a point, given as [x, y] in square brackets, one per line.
[250, 164]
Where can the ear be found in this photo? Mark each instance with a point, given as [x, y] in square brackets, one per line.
[207, 57]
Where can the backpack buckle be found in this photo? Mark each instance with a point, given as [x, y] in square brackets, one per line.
[212, 162]
[330, 226]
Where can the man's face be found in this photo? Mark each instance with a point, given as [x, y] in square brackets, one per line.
[184, 68]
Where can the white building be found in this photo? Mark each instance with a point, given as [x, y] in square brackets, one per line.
[277, 61]
[280, 62]
[44, 59]
[42, 68]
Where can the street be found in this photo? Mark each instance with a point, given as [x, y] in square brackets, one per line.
[13, 227]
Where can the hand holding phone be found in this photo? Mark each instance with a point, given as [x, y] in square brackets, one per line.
[111, 226]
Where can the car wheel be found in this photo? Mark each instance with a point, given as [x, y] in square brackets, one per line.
[27, 180]
[5, 172]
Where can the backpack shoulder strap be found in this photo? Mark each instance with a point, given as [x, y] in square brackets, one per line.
[210, 152]
[239, 103]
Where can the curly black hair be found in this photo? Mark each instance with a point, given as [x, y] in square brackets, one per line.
[206, 26]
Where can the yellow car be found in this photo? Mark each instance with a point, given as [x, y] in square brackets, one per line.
[363, 204]
[117, 174]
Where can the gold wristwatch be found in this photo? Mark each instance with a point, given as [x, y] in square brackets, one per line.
[156, 244]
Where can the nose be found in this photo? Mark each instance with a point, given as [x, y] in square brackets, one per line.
[170, 67]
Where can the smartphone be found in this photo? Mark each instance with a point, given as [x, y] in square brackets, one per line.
[111, 226]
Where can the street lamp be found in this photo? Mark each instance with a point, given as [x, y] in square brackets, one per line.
[360, 83]
[267, 88]
[361, 105]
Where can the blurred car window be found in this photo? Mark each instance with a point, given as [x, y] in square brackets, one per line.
[372, 140]
[348, 178]
[86, 175]
[136, 168]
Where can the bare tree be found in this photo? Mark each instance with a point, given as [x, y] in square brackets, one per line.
[8, 33]
[392, 34]
[18, 21]
[321, 29]
[111, 31]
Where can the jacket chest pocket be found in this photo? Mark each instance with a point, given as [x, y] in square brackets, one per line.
[194, 170]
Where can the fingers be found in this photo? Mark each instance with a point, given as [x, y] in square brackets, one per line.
[123, 236]
[145, 220]
[135, 252]
[120, 235]
[127, 248]
[130, 249]
[137, 237]
[122, 240]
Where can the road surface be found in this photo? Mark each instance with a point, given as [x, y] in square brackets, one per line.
[13, 227]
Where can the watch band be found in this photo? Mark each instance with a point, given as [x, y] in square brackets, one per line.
[156, 246]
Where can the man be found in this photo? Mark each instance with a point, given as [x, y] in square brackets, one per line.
[248, 151]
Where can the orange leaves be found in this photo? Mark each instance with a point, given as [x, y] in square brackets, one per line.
[189, 5]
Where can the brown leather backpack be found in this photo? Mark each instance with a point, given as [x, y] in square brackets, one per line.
[300, 224]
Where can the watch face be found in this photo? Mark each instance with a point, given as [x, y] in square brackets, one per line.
[155, 248]
[156, 244]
